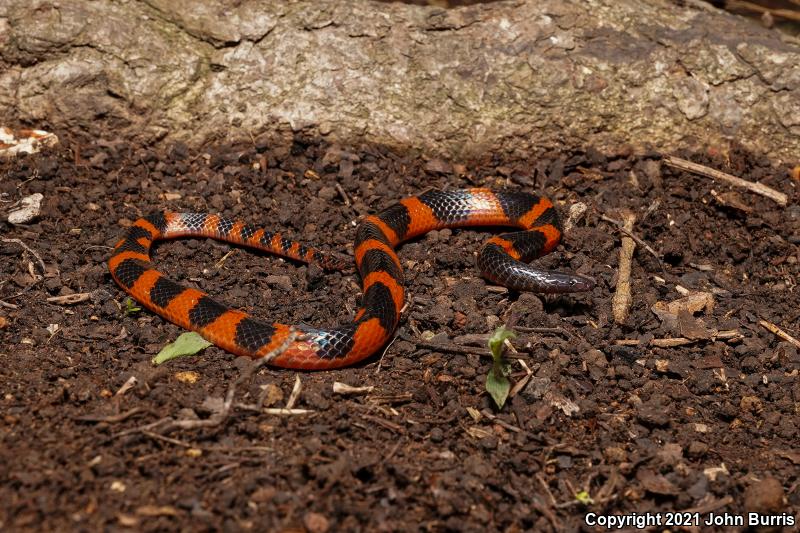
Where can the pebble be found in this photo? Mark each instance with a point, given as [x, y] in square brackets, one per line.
[751, 404]
[316, 523]
[615, 454]
[765, 496]
[749, 364]
[439, 166]
[489, 443]
[699, 488]
[328, 193]
[187, 414]
[440, 338]
[596, 358]
[282, 282]
[316, 399]
[263, 494]
[697, 449]
[536, 387]
[653, 414]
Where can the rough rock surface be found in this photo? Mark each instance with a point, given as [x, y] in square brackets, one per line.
[503, 76]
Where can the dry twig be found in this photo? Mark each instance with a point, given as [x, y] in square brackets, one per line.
[380, 361]
[285, 411]
[779, 332]
[343, 194]
[450, 348]
[621, 227]
[758, 188]
[219, 264]
[671, 342]
[8, 305]
[620, 304]
[391, 426]
[30, 250]
[69, 299]
[295, 394]
[344, 388]
[109, 419]
[222, 415]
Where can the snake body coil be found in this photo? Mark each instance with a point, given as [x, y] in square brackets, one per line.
[500, 260]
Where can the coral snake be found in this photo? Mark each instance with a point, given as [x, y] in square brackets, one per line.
[500, 260]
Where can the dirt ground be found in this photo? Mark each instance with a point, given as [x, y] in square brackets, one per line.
[600, 426]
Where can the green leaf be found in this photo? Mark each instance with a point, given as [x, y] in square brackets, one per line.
[584, 498]
[498, 386]
[496, 342]
[131, 307]
[187, 344]
[497, 383]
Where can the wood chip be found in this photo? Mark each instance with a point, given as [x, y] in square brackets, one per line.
[188, 376]
[478, 433]
[156, 510]
[344, 388]
[69, 299]
[128, 385]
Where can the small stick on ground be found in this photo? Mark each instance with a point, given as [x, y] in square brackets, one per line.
[671, 342]
[295, 394]
[621, 227]
[391, 426]
[343, 194]
[345, 389]
[380, 361]
[70, 299]
[621, 303]
[219, 417]
[176, 442]
[29, 249]
[757, 188]
[8, 305]
[110, 419]
[128, 385]
[544, 485]
[502, 423]
[280, 411]
[218, 265]
[779, 332]
[449, 348]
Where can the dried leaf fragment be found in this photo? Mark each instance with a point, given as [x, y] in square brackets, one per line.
[27, 210]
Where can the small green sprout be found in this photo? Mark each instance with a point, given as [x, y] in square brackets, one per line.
[584, 498]
[131, 307]
[497, 383]
[187, 344]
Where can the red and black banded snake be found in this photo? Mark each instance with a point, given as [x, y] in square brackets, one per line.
[500, 260]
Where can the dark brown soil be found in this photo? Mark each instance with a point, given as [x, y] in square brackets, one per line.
[711, 425]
